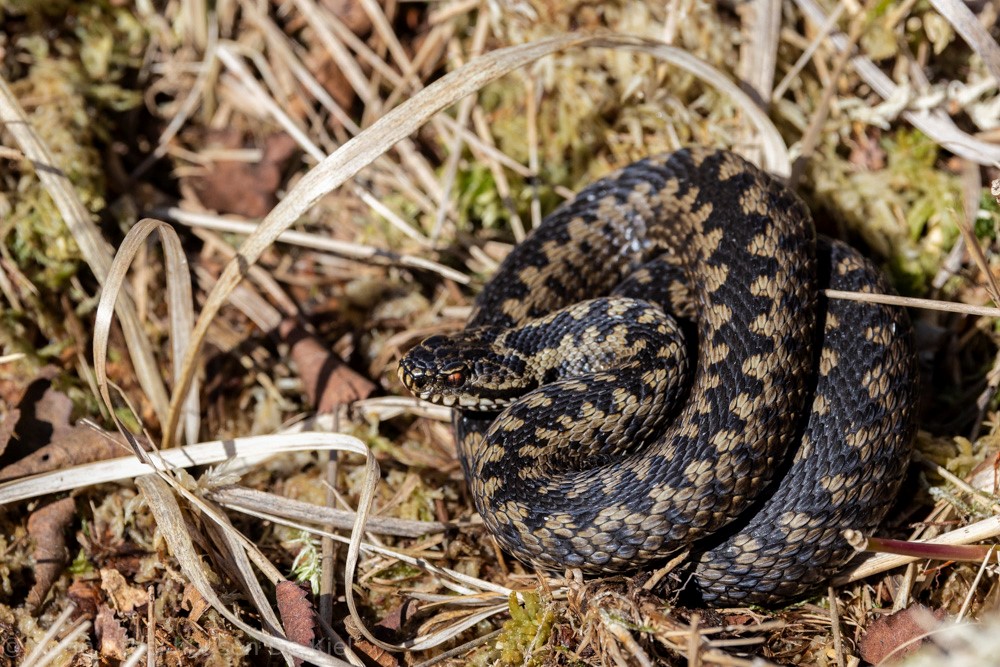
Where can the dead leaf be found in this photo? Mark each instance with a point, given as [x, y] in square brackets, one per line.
[297, 615]
[398, 615]
[124, 597]
[111, 638]
[87, 596]
[898, 635]
[329, 382]
[244, 188]
[8, 421]
[986, 475]
[43, 439]
[329, 75]
[381, 657]
[194, 603]
[47, 528]
[70, 446]
[351, 13]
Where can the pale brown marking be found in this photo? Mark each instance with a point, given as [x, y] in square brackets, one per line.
[730, 167]
[828, 360]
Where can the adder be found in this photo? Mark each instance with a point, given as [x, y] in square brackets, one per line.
[587, 443]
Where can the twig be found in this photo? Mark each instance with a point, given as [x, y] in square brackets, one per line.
[813, 132]
[838, 645]
[972, 587]
[913, 302]
[981, 530]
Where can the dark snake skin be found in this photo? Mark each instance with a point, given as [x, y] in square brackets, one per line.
[797, 422]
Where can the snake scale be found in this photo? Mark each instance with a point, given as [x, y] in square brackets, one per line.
[587, 443]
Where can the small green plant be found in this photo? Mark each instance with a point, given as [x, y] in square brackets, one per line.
[523, 638]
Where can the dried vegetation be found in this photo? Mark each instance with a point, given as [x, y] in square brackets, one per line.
[235, 127]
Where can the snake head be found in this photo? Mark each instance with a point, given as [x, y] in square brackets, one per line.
[461, 370]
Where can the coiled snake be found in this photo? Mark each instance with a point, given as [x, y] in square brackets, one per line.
[580, 441]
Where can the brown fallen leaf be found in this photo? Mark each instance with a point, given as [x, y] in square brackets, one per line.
[47, 528]
[897, 635]
[986, 475]
[328, 381]
[398, 615]
[44, 440]
[351, 13]
[379, 656]
[8, 421]
[111, 637]
[124, 596]
[86, 595]
[193, 601]
[243, 188]
[70, 446]
[297, 615]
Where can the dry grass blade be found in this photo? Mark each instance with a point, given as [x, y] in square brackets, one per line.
[95, 250]
[244, 499]
[463, 584]
[410, 116]
[206, 68]
[231, 546]
[459, 650]
[811, 138]
[422, 642]
[59, 650]
[807, 54]
[387, 407]
[759, 53]
[179, 301]
[255, 448]
[936, 125]
[972, 187]
[835, 624]
[345, 249]
[138, 654]
[58, 624]
[170, 521]
[975, 584]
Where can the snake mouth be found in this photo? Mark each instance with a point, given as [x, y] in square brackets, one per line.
[472, 403]
[427, 387]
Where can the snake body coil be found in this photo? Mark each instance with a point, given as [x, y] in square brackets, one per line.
[796, 424]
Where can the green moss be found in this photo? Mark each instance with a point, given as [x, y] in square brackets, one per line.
[81, 565]
[907, 211]
[307, 566]
[478, 198]
[989, 219]
[523, 638]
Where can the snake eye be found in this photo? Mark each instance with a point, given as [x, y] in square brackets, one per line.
[455, 378]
